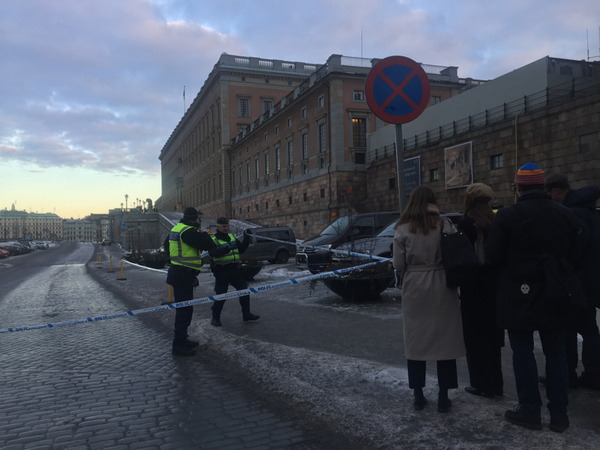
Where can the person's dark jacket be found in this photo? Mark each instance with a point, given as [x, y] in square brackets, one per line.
[583, 203]
[478, 297]
[517, 249]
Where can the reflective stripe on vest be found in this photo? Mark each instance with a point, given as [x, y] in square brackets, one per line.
[181, 253]
[232, 257]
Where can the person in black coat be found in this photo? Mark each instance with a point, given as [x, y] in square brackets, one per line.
[483, 339]
[583, 203]
[527, 241]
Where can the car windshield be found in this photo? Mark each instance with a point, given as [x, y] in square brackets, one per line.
[388, 231]
[337, 227]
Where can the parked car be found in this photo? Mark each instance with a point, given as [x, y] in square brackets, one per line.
[381, 244]
[16, 248]
[261, 249]
[4, 253]
[28, 244]
[42, 245]
[343, 230]
[105, 242]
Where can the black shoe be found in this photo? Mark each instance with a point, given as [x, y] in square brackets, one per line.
[419, 403]
[588, 382]
[444, 405]
[479, 392]
[250, 316]
[559, 426]
[215, 322]
[183, 351]
[518, 417]
[542, 380]
[190, 344]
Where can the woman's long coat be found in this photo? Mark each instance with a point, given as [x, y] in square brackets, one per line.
[430, 309]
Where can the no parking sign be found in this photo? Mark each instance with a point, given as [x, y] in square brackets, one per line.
[397, 91]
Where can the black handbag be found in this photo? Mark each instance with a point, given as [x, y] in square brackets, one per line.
[458, 257]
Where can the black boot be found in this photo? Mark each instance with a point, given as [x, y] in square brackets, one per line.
[250, 316]
[444, 402]
[420, 400]
[180, 349]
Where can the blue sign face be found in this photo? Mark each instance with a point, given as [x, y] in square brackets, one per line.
[397, 90]
[122, 227]
[402, 102]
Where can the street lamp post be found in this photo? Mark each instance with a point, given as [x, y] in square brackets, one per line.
[139, 228]
[126, 197]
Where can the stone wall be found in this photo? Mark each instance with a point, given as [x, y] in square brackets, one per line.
[559, 138]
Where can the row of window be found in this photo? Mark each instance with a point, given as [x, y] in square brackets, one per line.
[358, 95]
[289, 151]
[277, 203]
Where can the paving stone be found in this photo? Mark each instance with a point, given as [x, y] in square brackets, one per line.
[113, 385]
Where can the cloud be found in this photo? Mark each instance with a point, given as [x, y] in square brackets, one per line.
[98, 84]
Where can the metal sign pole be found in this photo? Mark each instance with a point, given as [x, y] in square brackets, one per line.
[400, 168]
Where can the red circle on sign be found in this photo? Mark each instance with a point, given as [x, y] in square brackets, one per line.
[413, 70]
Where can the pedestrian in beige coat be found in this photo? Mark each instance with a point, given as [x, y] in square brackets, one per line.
[430, 310]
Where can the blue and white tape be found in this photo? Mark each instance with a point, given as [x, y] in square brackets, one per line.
[214, 298]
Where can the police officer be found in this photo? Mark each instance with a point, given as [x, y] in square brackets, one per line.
[226, 270]
[185, 242]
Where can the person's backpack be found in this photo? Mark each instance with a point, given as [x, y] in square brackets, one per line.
[458, 257]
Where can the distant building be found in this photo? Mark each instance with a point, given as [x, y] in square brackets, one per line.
[21, 224]
[80, 230]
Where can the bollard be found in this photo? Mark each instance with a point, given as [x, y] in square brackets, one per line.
[99, 262]
[170, 296]
[120, 279]
[110, 261]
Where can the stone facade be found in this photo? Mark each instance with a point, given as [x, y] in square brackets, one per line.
[561, 137]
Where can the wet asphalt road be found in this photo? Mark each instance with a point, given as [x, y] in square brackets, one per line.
[114, 384]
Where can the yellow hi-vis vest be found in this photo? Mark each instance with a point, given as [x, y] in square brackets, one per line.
[232, 257]
[181, 253]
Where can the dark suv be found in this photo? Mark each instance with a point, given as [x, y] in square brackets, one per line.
[262, 248]
[343, 230]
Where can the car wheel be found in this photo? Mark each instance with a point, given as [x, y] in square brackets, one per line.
[283, 257]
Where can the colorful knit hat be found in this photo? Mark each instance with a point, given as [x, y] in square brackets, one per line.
[530, 174]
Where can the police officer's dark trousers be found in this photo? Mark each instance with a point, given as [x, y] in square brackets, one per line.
[224, 276]
[183, 280]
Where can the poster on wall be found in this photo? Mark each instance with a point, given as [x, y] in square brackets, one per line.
[412, 173]
[458, 162]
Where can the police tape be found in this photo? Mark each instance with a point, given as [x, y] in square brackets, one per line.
[170, 306]
[326, 249]
[145, 267]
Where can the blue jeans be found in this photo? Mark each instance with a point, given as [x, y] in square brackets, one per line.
[526, 372]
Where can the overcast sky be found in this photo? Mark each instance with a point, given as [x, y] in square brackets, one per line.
[91, 90]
